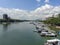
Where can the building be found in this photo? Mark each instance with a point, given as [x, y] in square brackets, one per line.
[5, 16]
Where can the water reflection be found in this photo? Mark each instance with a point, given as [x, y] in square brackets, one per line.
[5, 26]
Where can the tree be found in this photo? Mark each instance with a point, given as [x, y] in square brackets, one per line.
[58, 15]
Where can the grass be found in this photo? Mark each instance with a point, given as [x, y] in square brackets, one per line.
[54, 28]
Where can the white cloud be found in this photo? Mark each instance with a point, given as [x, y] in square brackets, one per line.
[46, 11]
[38, 0]
[47, 1]
[40, 12]
[14, 13]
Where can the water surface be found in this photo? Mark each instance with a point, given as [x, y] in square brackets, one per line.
[20, 34]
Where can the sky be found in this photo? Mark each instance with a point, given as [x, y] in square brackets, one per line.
[29, 9]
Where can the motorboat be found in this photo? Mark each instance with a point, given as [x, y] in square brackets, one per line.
[37, 27]
[41, 30]
[53, 42]
[43, 33]
[35, 31]
[49, 34]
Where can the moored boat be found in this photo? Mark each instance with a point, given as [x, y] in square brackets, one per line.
[48, 34]
[53, 42]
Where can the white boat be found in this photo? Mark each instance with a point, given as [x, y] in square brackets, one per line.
[48, 34]
[35, 31]
[43, 33]
[53, 42]
[51, 34]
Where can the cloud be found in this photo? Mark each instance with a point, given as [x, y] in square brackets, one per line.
[38, 0]
[14, 13]
[47, 1]
[39, 13]
[46, 11]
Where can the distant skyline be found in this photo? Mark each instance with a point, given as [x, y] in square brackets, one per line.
[29, 9]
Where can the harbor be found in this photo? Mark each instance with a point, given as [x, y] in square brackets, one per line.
[22, 33]
[19, 34]
[44, 31]
[29, 22]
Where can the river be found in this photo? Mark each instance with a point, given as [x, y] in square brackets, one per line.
[20, 34]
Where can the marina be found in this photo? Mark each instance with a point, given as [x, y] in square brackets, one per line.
[22, 33]
[29, 22]
[44, 30]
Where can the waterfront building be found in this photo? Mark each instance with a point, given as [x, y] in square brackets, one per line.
[5, 16]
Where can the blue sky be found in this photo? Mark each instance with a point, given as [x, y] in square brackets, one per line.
[29, 9]
[26, 4]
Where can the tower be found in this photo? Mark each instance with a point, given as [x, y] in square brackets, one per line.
[5, 16]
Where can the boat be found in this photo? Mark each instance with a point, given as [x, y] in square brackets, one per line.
[37, 27]
[35, 31]
[48, 34]
[43, 33]
[41, 30]
[53, 42]
[51, 34]
[31, 22]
